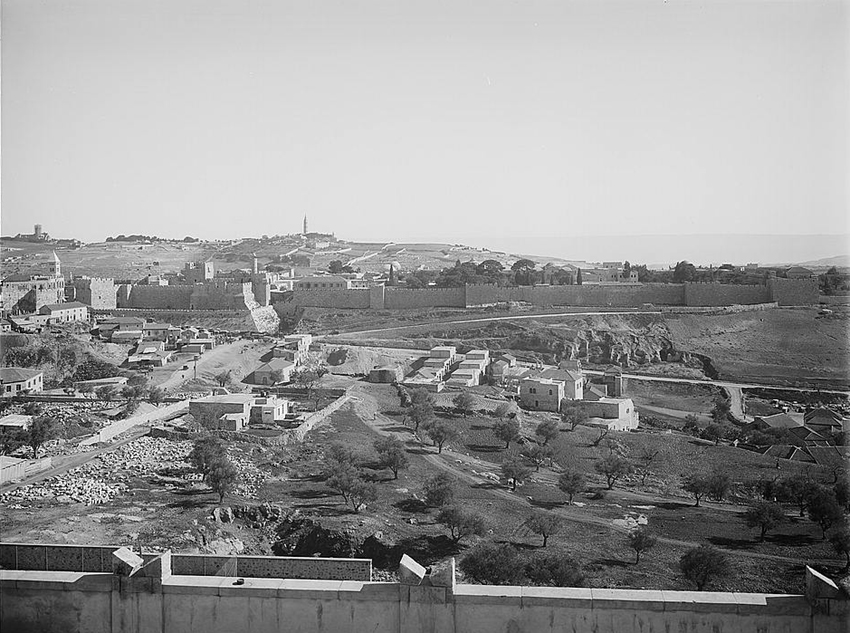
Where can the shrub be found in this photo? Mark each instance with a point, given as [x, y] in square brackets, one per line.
[698, 485]
[641, 540]
[537, 454]
[613, 467]
[493, 564]
[718, 486]
[765, 516]
[797, 488]
[824, 508]
[703, 565]
[544, 524]
[391, 454]
[205, 452]
[222, 477]
[42, 429]
[460, 523]
[507, 430]
[439, 490]
[464, 402]
[571, 483]
[555, 569]
[547, 431]
[840, 541]
[514, 471]
[440, 432]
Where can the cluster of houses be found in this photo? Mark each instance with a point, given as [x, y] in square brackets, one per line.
[538, 388]
[806, 437]
[153, 344]
[283, 360]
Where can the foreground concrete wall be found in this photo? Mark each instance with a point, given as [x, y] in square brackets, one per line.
[68, 602]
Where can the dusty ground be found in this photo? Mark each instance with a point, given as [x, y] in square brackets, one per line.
[793, 346]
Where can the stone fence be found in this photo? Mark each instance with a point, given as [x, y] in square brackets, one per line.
[145, 594]
[116, 428]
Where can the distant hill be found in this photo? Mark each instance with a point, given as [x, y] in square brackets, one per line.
[839, 261]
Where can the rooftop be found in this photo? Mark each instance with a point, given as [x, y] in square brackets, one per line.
[17, 374]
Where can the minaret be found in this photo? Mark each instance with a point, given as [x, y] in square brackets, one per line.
[255, 266]
[304, 230]
[55, 266]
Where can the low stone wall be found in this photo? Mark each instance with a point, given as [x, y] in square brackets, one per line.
[116, 428]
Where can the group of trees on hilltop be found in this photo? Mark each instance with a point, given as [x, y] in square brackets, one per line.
[525, 272]
[138, 237]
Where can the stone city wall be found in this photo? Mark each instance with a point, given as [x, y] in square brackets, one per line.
[713, 294]
[141, 296]
[352, 299]
[407, 298]
[794, 292]
[220, 295]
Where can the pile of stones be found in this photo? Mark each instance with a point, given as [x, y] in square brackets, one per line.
[106, 476]
[251, 478]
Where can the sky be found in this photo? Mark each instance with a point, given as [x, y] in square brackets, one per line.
[493, 123]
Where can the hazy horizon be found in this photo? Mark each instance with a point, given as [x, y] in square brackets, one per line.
[499, 125]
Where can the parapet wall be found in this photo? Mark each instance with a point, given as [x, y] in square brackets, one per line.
[98, 559]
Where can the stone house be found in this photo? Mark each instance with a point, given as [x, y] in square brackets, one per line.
[65, 312]
[541, 394]
[17, 380]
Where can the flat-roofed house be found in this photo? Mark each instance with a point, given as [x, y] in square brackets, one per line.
[230, 412]
[616, 414]
[444, 351]
[17, 380]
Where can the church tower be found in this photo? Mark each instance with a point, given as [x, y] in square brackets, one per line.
[304, 231]
[55, 266]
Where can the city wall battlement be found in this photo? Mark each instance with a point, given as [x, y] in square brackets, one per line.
[152, 593]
